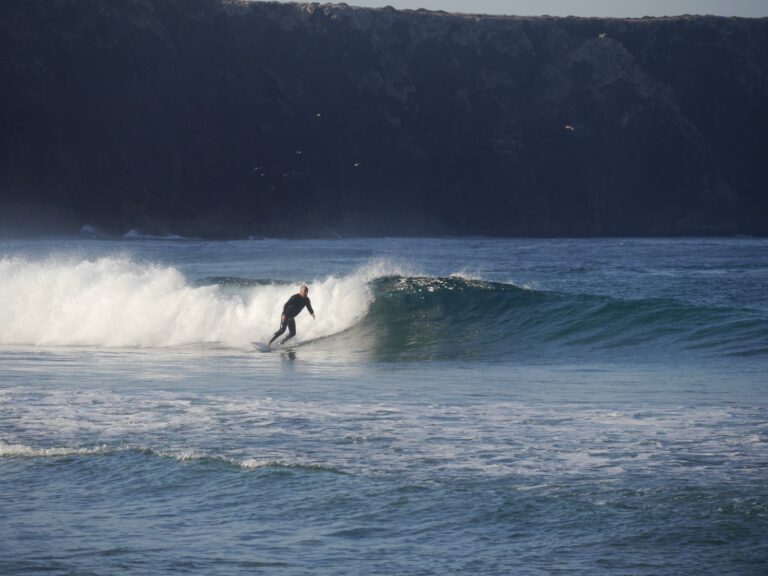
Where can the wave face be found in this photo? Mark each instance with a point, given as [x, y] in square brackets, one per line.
[449, 317]
[118, 302]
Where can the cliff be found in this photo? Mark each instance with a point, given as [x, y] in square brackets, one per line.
[228, 119]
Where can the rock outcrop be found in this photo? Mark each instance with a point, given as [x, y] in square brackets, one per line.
[229, 119]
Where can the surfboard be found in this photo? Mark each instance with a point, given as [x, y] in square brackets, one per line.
[293, 343]
[261, 346]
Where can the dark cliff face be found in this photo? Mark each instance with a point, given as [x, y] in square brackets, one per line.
[217, 118]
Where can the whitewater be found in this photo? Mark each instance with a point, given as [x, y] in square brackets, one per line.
[118, 302]
[478, 405]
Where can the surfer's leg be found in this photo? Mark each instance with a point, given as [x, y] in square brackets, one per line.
[283, 326]
[291, 330]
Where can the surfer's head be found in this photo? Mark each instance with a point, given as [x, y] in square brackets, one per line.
[303, 291]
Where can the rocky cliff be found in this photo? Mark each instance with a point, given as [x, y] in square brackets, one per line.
[228, 119]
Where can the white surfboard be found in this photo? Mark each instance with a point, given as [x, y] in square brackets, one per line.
[261, 346]
[290, 345]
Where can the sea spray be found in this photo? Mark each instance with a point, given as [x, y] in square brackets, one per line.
[119, 302]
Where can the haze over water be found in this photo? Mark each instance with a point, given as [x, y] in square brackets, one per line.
[459, 405]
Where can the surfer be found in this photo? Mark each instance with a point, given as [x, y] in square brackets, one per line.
[291, 309]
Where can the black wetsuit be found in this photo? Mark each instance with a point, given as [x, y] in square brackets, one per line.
[291, 309]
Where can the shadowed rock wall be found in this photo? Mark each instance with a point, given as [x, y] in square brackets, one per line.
[227, 119]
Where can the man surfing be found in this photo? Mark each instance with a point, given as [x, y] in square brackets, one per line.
[291, 309]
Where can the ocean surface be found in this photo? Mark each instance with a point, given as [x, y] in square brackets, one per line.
[458, 406]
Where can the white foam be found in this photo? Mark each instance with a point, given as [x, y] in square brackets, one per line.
[423, 441]
[22, 451]
[179, 454]
[252, 463]
[118, 302]
[467, 275]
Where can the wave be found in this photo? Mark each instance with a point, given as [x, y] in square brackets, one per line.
[449, 317]
[23, 451]
[118, 302]
[182, 455]
[379, 309]
[134, 234]
[93, 232]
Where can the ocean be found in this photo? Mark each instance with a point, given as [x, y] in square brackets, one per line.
[458, 406]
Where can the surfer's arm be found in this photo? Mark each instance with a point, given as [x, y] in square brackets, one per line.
[309, 307]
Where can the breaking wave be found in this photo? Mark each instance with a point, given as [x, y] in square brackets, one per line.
[380, 309]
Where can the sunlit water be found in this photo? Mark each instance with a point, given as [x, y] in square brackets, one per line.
[457, 406]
